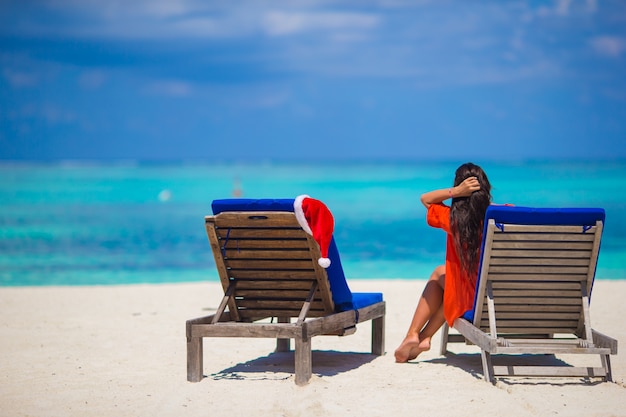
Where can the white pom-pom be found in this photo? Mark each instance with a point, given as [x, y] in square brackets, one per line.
[324, 262]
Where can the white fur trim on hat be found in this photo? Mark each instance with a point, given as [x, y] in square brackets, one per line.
[324, 262]
[316, 220]
[297, 209]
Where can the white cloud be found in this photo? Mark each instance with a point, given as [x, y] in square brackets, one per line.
[592, 5]
[160, 8]
[363, 38]
[54, 114]
[116, 9]
[19, 79]
[266, 100]
[171, 19]
[562, 7]
[567, 8]
[611, 46]
[279, 23]
[201, 27]
[92, 79]
[171, 88]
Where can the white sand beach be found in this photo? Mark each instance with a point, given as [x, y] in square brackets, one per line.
[120, 351]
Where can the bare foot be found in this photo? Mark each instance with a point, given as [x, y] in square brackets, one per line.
[410, 348]
[423, 346]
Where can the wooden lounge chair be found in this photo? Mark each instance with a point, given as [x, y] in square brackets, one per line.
[535, 281]
[268, 268]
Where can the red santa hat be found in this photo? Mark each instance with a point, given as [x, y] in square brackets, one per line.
[317, 220]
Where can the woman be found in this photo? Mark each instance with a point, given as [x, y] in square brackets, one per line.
[450, 290]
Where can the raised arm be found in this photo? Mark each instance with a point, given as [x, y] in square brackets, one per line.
[464, 189]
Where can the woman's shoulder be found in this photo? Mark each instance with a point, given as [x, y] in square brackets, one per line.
[438, 215]
[439, 207]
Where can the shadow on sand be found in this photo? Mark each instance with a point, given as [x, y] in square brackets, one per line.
[277, 364]
[472, 364]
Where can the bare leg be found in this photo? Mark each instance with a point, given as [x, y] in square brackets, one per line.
[435, 322]
[427, 319]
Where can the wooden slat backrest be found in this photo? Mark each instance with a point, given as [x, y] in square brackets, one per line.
[538, 276]
[271, 262]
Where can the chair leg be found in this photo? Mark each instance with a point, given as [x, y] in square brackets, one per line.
[303, 365]
[606, 364]
[443, 349]
[283, 345]
[487, 367]
[378, 336]
[194, 359]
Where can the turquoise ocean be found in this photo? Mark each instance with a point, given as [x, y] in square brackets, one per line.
[69, 223]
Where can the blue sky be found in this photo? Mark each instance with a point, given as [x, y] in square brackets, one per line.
[312, 79]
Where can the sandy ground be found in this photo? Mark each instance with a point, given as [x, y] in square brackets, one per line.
[120, 351]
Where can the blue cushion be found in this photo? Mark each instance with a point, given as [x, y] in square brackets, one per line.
[343, 298]
[246, 204]
[364, 299]
[544, 216]
[540, 216]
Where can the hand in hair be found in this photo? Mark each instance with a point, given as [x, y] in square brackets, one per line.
[467, 187]
[464, 189]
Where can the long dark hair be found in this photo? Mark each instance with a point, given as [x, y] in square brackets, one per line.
[467, 215]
